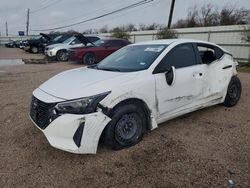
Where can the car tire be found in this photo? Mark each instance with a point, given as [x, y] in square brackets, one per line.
[89, 59]
[61, 55]
[233, 92]
[126, 128]
[34, 50]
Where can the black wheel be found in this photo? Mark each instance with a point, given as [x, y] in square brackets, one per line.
[34, 49]
[126, 128]
[89, 59]
[233, 92]
[62, 55]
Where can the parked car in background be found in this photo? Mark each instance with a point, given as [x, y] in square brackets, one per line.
[9, 44]
[97, 52]
[38, 43]
[132, 91]
[59, 51]
[12, 44]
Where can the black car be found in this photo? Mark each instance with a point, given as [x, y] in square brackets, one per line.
[12, 44]
[38, 43]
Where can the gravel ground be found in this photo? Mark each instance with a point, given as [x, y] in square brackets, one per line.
[195, 150]
[15, 53]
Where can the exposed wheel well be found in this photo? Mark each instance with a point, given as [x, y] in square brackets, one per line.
[138, 102]
[62, 50]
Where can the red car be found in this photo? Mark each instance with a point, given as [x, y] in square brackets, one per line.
[97, 51]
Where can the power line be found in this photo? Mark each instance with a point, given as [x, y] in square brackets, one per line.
[88, 13]
[123, 14]
[44, 7]
[98, 17]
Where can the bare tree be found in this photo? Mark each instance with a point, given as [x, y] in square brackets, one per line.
[192, 17]
[232, 16]
[120, 32]
[88, 31]
[153, 26]
[130, 27]
[209, 16]
[104, 29]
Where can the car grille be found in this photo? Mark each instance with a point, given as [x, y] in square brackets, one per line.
[41, 112]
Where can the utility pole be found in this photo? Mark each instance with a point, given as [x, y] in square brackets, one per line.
[171, 14]
[28, 22]
[6, 25]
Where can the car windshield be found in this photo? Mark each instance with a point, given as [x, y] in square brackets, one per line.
[99, 43]
[131, 58]
[68, 40]
[57, 38]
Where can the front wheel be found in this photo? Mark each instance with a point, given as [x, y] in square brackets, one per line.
[126, 128]
[89, 59]
[34, 50]
[62, 56]
[233, 92]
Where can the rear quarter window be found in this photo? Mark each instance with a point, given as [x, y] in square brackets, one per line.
[209, 53]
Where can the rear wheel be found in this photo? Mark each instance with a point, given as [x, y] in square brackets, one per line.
[62, 55]
[34, 50]
[89, 59]
[233, 92]
[126, 128]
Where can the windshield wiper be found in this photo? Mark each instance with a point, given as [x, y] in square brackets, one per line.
[93, 66]
[110, 69]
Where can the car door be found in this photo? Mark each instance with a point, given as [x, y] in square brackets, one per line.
[218, 70]
[187, 87]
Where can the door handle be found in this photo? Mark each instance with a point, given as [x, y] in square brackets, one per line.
[227, 67]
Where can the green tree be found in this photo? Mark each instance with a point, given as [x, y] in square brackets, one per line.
[119, 32]
[166, 33]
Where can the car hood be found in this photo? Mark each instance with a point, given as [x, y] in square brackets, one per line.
[46, 36]
[84, 82]
[84, 40]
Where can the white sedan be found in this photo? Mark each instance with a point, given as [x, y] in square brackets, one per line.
[132, 91]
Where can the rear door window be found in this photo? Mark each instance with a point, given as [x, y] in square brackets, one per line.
[209, 53]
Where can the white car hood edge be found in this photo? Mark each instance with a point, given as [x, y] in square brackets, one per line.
[84, 82]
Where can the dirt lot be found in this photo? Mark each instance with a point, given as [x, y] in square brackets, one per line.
[196, 150]
[14, 53]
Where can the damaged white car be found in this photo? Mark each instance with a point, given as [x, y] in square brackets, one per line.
[132, 91]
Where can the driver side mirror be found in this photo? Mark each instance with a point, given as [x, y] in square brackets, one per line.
[170, 76]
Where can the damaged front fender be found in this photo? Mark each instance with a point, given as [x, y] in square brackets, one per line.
[60, 133]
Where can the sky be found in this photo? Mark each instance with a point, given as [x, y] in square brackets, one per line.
[46, 14]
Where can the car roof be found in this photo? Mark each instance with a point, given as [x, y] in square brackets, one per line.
[178, 41]
[170, 41]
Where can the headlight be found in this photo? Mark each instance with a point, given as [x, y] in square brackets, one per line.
[80, 106]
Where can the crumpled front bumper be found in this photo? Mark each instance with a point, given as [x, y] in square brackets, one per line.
[63, 133]
[70, 132]
[50, 53]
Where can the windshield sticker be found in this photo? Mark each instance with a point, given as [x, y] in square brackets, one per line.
[157, 49]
